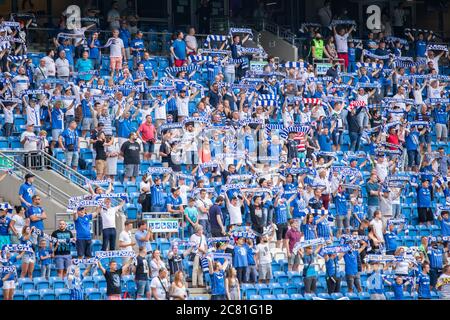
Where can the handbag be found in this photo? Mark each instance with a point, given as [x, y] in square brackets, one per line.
[70, 147]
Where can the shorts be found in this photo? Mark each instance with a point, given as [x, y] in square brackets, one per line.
[87, 124]
[27, 259]
[55, 134]
[282, 228]
[342, 222]
[100, 167]
[179, 63]
[294, 259]
[441, 131]
[425, 138]
[83, 248]
[9, 284]
[425, 214]
[115, 63]
[265, 271]
[143, 286]
[72, 158]
[131, 170]
[149, 147]
[63, 262]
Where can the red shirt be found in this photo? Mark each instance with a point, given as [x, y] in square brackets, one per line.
[393, 139]
[293, 236]
[147, 132]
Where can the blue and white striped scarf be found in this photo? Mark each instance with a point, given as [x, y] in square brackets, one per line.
[375, 56]
[217, 38]
[17, 58]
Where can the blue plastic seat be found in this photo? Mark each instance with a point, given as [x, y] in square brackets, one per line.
[96, 245]
[281, 277]
[283, 296]
[248, 289]
[276, 288]
[324, 295]
[19, 295]
[26, 284]
[131, 211]
[336, 295]
[269, 297]
[32, 294]
[297, 296]
[93, 294]
[47, 294]
[364, 296]
[295, 277]
[290, 288]
[255, 297]
[352, 296]
[62, 294]
[262, 288]
[309, 296]
[41, 283]
[88, 282]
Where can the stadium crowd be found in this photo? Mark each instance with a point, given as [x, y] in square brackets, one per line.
[342, 174]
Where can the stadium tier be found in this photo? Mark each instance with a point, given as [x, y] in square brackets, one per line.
[149, 165]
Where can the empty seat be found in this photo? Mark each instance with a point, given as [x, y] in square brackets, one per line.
[269, 297]
[47, 294]
[62, 294]
[41, 283]
[93, 294]
[31, 294]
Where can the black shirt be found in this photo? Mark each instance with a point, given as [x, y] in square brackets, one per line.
[141, 269]
[164, 148]
[352, 121]
[63, 248]
[100, 150]
[175, 263]
[113, 282]
[215, 211]
[131, 152]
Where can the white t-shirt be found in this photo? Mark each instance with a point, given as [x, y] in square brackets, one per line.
[112, 15]
[109, 217]
[160, 110]
[146, 185]
[154, 267]
[62, 67]
[382, 170]
[19, 223]
[182, 106]
[9, 115]
[434, 93]
[30, 141]
[378, 228]
[158, 284]
[191, 41]
[33, 115]
[21, 82]
[184, 189]
[444, 283]
[235, 213]
[125, 237]
[263, 252]
[115, 50]
[341, 43]
[402, 267]
[50, 66]
[198, 240]
[203, 203]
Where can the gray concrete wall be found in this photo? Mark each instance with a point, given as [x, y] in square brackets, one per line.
[277, 47]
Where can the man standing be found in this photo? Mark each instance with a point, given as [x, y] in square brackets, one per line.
[203, 205]
[216, 218]
[143, 237]
[200, 250]
[108, 215]
[373, 195]
[116, 53]
[436, 257]
[147, 133]
[142, 275]
[178, 50]
[443, 283]
[130, 151]
[27, 191]
[70, 144]
[293, 236]
[83, 229]
[36, 213]
[114, 278]
[62, 249]
[424, 203]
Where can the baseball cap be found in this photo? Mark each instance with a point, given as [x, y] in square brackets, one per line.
[174, 189]
[29, 175]
[80, 208]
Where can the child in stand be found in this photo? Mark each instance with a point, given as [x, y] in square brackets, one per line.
[45, 257]
[398, 287]
[9, 279]
[75, 282]
[252, 272]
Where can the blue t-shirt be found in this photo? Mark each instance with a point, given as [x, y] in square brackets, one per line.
[332, 267]
[70, 137]
[375, 283]
[351, 54]
[85, 108]
[423, 198]
[251, 256]
[179, 47]
[311, 270]
[423, 280]
[148, 68]
[57, 118]
[83, 227]
[412, 141]
[175, 202]
[391, 240]
[218, 283]
[138, 44]
[4, 225]
[340, 202]
[157, 195]
[445, 227]
[421, 48]
[308, 231]
[27, 191]
[141, 243]
[325, 142]
[398, 291]
[125, 35]
[35, 211]
[69, 52]
[240, 258]
[351, 263]
[281, 213]
[436, 257]
[94, 53]
[44, 253]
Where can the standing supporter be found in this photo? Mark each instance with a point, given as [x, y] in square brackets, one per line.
[117, 53]
[108, 214]
[217, 274]
[70, 144]
[35, 213]
[293, 236]
[200, 250]
[113, 278]
[147, 134]
[178, 289]
[160, 285]
[27, 191]
[130, 151]
[83, 222]
[178, 49]
[61, 249]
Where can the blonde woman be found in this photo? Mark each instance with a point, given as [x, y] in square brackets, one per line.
[232, 287]
[178, 289]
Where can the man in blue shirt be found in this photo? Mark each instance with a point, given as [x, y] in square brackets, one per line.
[424, 199]
[391, 238]
[445, 224]
[57, 121]
[137, 48]
[217, 275]
[174, 202]
[83, 229]
[440, 115]
[125, 35]
[36, 214]
[27, 191]
[5, 222]
[143, 236]
[423, 283]
[148, 67]
[157, 195]
[340, 202]
[375, 283]
[94, 50]
[69, 142]
[436, 258]
[332, 273]
[87, 122]
[69, 49]
[412, 147]
[178, 50]
[352, 275]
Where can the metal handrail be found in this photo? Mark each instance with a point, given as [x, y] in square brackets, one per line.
[44, 186]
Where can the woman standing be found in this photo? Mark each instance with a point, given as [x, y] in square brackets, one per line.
[232, 287]
[309, 270]
[178, 289]
[28, 258]
[18, 222]
[156, 264]
[112, 155]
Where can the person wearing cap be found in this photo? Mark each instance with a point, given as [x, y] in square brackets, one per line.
[27, 191]
[424, 202]
[137, 47]
[83, 221]
[309, 258]
[174, 203]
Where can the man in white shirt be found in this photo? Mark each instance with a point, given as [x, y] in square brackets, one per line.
[341, 38]
[116, 52]
[234, 209]
[29, 139]
[200, 248]
[182, 102]
[50, 63]
[33, 110]
[21, 82]
[109, 214]
[434, 59]
[203, 204]
[40, 73]
[160, 285]
[377, 224]
[63, 68]
[114, 16]
[191, 42]
[125, 242]
[263, 258]
[386, 199]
